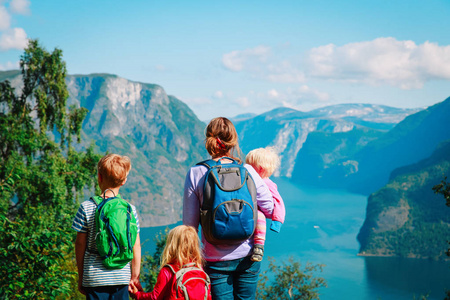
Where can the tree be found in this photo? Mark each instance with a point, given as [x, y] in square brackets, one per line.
[151, 263]
[443, 188]
[41, 179]
[290, 281]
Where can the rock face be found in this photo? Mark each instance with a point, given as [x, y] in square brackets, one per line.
[313, 143]
[413, 139]
[405, 218]
[160, 134]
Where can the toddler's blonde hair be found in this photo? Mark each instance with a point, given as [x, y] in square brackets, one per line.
[182, 247]
[264, 160]
[114, 169]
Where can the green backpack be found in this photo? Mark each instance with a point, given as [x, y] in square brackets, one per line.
[115, 231]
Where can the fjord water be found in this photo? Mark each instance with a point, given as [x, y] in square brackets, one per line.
[321, 228]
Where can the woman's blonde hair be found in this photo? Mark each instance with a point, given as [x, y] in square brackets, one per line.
[114, 169]
[222, 139]
[182, 247]
[264, 160]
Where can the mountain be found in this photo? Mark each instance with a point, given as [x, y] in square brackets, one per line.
[413, 139]
[310, 142]
[159, 133]
[405, 218]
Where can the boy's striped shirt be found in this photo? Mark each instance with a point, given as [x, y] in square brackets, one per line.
[95, 273]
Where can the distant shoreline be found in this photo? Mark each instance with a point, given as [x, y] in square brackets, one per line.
[396, 256]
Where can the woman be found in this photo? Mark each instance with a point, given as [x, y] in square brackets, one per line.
[233, 274]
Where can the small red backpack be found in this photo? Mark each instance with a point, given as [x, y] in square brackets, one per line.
[189, 283]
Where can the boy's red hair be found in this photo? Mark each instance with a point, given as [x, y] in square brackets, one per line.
[114, 169]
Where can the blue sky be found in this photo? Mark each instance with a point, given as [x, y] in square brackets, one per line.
[226, 58]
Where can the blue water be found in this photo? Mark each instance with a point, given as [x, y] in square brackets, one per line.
[321, 228]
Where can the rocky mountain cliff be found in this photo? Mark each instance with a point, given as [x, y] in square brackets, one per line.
[310, 142]
[160, 134]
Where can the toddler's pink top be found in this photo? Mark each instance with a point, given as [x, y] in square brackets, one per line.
[279, 211]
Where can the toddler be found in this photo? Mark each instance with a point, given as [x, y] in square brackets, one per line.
[265, 161]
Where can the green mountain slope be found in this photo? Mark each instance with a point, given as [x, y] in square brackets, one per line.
[405, 218]
[160, 134]
[412, 140]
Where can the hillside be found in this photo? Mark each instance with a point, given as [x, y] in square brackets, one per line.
[413, 139]
[311, 142]
[405, 218]
[160, 134]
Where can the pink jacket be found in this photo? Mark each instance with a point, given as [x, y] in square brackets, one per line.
[279, 211]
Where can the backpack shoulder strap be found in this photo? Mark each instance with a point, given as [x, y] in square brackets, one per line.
[189, 265]
[229, 158]
[209, 163]
[97, 200]
[171, 268]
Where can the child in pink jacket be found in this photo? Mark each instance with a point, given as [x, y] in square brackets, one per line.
[265, 161]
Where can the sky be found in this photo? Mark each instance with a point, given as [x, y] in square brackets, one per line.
[225, 58]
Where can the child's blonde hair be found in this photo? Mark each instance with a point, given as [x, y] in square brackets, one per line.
[182, 247]
[114, 169]
[264, 160]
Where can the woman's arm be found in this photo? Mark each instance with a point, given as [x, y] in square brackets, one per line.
[263, 194]
[191, 201]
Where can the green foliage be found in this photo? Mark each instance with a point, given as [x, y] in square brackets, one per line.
[290, 281]
[40, 179]
[151, 263]
[443, 188]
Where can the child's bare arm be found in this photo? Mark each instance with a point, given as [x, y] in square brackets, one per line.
[80, 249]
[136, 262]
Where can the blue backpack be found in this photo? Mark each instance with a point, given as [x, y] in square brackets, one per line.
[229, 211]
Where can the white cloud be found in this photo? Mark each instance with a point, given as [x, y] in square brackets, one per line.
[14, 38]
[9, 66]
[160, 68]
[301, 98]
[260, 62]
[20, 6]
[218, 95]
[242, 101]
[273, 94]
[5, 18]
[245, 59]
[284, 72]
[198, 101]
[382, 61]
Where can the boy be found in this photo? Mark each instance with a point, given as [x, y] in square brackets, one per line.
[94, 279]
